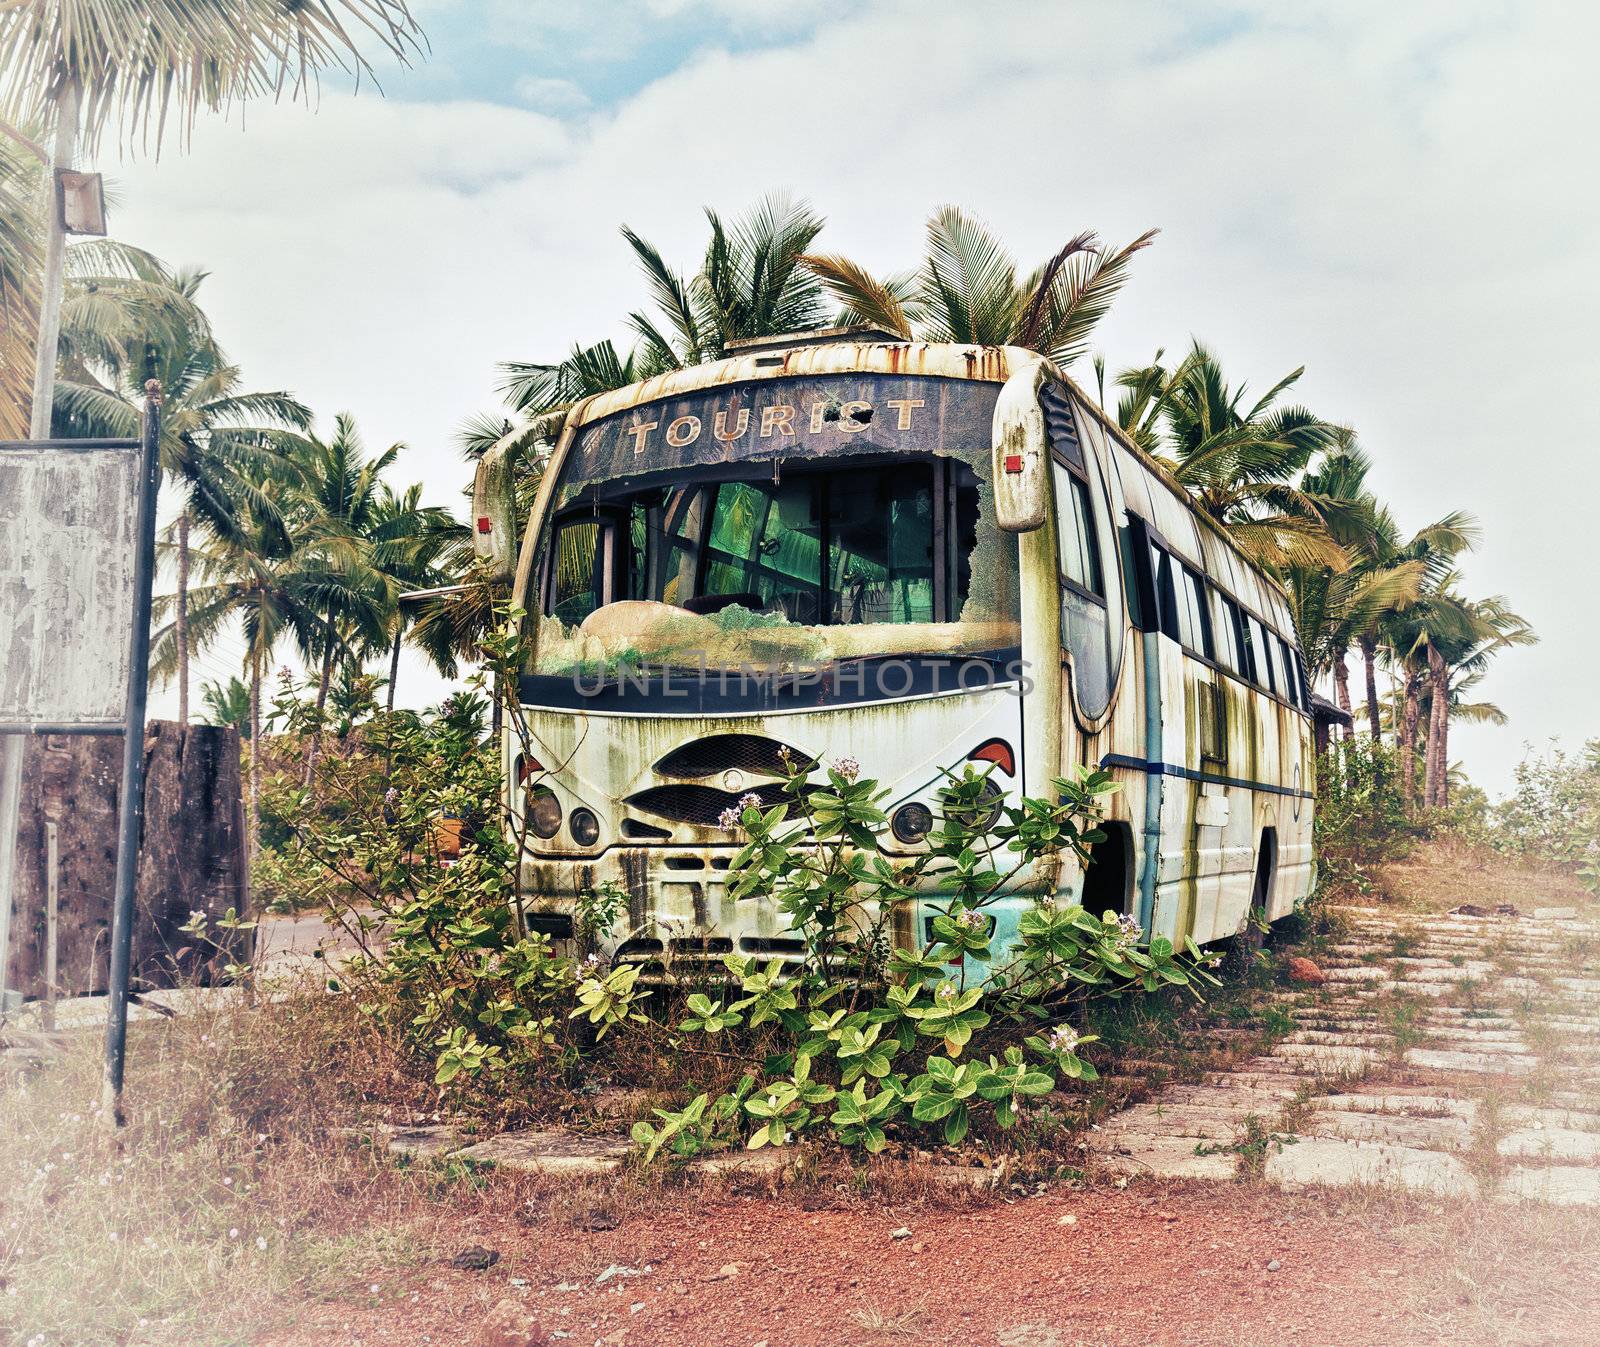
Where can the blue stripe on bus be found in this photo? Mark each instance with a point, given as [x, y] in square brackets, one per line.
[1189, 774]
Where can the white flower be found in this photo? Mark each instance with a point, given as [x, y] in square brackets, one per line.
[261, 1243]
[1128, 929]
[973, 921]
[946, 991]
[848, 768]
[233, 1233]
[729, 817]
[1063, 1038]
[373, 1289]
[749, 800]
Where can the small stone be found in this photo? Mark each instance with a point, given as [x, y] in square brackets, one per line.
[636, 1307]
[1068, 1219]
[475, 1258]
[509, 1325]
[919, 1247]
[1274, 1265]
[1303, 971]
[902, 1232]
[724, 1273]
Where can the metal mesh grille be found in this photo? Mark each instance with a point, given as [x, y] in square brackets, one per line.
[723, 752]
[698, 805]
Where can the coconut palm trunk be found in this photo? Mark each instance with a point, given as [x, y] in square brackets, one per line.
[1408, 738]
[55, 253]
[253, 821]
[1369, 659]
[181, 618]
[1439, 681]
[394, 669]
[1341, 682]
[324, 682]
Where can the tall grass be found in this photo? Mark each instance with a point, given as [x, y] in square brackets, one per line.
[230, 1185]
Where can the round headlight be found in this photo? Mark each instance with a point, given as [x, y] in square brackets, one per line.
[911, 822]
[983, 813]
[584, 827]
[544, 812]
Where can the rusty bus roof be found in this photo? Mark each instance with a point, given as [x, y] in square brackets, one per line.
[809, 356]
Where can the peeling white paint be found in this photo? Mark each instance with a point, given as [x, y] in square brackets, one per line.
[67, 525]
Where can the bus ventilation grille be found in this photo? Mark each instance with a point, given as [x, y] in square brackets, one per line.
[751, 753]
[701, 806]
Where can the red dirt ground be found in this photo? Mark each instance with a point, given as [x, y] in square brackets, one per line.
[1174, 1266]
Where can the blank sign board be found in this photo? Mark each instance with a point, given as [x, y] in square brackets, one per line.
[68, 519]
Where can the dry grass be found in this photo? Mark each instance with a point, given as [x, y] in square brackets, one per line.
[1520, 1275]
[1446, 871]
[227, 1188]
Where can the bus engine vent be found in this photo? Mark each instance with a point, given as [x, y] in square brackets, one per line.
[729, 752]
[700, 806]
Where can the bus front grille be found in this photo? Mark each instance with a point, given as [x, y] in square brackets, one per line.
[752, 753]
[700, 806]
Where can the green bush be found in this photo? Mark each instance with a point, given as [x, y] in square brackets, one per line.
[1552, 815]
[1361, 820]
[865, 1034]
[862, 1035]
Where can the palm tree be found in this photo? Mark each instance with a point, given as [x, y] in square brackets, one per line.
[275, 575]
[1441, 637]
[967, 290]
[219, 444]
[149, 66]
[750, 283]
[113, 294]
[408, 541]
[1336, 608]
[1239, 462]
[341, 495]
[228, 704]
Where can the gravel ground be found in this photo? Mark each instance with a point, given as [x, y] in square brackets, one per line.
[1194, 1264]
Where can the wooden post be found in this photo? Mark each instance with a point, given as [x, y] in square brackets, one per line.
[52, 928]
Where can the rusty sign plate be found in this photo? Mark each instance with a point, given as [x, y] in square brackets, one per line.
[68, 524]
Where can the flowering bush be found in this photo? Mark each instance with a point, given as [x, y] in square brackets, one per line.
[865, 1034]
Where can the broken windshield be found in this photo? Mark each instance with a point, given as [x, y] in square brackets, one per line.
[786, 561]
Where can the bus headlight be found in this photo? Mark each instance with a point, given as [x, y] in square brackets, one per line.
[584, 827]
[911, 822]
[544, 812]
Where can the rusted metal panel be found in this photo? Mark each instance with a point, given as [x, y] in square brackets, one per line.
[67, 545]
[811, 417]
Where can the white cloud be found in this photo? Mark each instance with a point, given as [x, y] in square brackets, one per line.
[1392, 196]
[551, 94]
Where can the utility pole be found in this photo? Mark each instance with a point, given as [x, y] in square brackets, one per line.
[44, 392]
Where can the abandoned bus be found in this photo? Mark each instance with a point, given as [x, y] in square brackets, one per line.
[840, 545]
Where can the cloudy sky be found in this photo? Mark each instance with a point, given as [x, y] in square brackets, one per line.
[1395, 196]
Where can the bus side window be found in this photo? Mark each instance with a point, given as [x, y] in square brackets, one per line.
[1261, 653]
[1085, 622]
[1080, 552]
[1194, 632]
[1285, 665]
[1225, 628]
[1166, 600]
[1303, 689]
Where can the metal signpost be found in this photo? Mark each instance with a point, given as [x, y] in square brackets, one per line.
[77, 567]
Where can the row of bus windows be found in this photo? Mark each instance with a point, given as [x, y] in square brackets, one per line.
[1196, 614]
[1206, 622]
